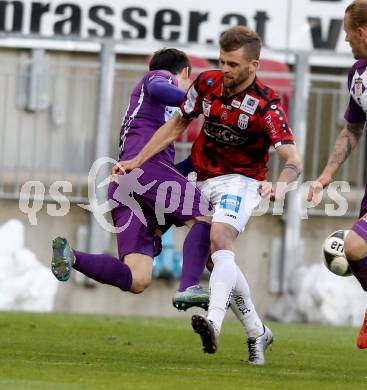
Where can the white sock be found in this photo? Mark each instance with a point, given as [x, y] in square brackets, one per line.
[244, 309]
[221, 283]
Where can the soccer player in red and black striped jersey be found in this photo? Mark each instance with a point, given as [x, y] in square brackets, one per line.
[243, 118]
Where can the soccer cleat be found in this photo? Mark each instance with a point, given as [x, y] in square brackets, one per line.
[257, 347]
[206, 331]
[192, 296]
[63, 259]
[362, 337]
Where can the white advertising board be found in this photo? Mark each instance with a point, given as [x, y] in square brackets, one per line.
[142, 26]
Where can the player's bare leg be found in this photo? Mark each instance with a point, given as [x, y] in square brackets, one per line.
[141, 267]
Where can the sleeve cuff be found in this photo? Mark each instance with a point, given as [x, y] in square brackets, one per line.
[280, 143]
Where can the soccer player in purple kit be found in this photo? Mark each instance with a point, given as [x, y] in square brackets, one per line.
[138, 210]
[355, 246]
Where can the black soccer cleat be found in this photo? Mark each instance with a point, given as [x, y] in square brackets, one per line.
[206, 331]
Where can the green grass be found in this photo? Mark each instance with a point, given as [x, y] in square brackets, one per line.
[58, 351]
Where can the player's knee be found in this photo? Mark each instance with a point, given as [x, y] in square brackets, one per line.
[354, 247]
[140, 283]
[219, 241]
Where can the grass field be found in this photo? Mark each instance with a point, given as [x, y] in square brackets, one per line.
[57, 351]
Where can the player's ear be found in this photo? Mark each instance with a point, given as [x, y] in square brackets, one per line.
[362, 32]
[254, 65]
[183, 78]
[186, 73]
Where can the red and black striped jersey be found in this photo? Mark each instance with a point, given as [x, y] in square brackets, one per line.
[238, 130]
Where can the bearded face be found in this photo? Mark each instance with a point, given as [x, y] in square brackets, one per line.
[236, 70]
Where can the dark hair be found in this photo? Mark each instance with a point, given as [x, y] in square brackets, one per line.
[173, 60]
[357, 13]
[241, 36]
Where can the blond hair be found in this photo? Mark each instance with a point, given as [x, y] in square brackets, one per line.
[357, 12]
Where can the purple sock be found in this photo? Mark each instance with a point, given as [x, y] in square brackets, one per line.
[195, 254]
[104, 269]
[359, 269]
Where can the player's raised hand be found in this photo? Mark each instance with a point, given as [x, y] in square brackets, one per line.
[317, 186]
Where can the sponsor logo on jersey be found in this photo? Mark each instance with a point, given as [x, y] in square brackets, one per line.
[236, 103]
[229, 108]
[270, 123]
[249, 104]
[242, 121]
[224, 134]
[358, 87]
[206, 108]
[230, 202]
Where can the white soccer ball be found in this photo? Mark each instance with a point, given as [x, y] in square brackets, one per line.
[333, 250]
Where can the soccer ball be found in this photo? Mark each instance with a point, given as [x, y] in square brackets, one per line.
[334, 257]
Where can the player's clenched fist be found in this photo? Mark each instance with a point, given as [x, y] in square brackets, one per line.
[124, 166]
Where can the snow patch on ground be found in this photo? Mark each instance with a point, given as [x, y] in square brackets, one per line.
[25, 283]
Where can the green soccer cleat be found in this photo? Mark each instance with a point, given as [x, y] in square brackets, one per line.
[192, 296]
[63, 259]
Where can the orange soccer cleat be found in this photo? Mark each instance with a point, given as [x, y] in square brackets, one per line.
[362, 338]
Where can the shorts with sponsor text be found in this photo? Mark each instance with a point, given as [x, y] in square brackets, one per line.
[233, 196]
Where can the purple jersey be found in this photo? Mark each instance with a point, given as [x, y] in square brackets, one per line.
[145, 114]
[357, 86]
[356, 113]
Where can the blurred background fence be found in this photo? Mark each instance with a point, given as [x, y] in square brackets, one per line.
[49, 108]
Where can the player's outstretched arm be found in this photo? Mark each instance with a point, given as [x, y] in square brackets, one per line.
[165, 135]
[290, 172]
[344, 144]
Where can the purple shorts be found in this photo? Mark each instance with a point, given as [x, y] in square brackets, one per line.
[155, 196]
[360, 227]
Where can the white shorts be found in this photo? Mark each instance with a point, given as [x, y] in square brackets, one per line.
[233, 196]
